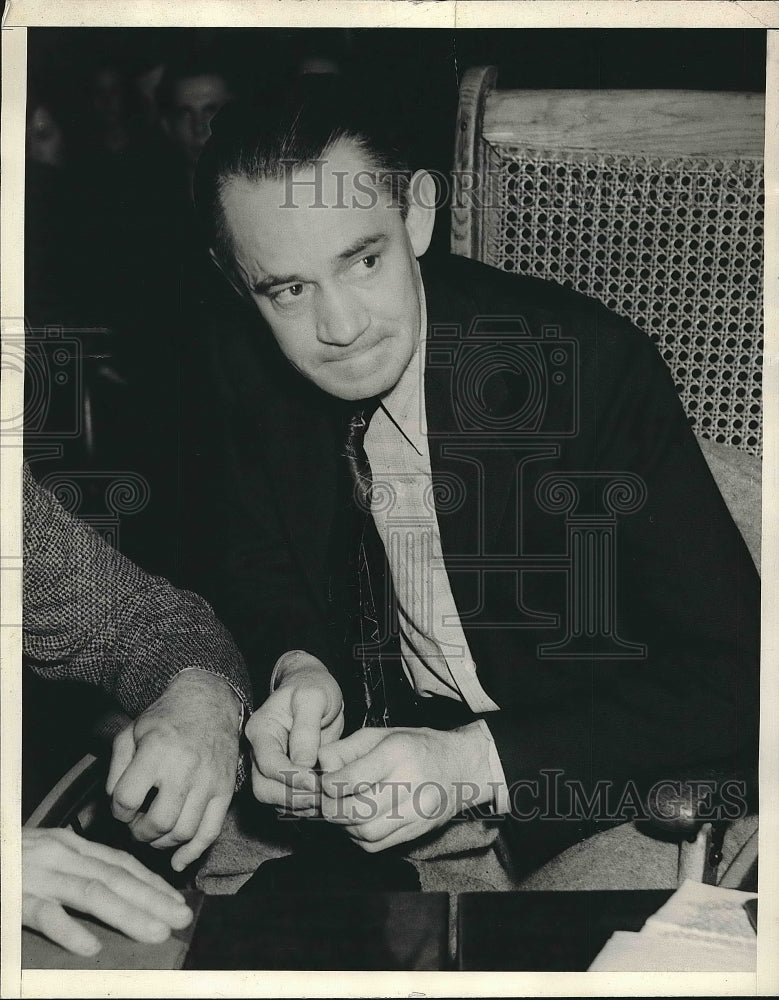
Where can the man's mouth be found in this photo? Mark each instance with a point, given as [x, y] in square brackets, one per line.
[345, 357]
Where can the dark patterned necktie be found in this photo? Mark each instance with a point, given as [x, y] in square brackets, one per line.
[369, 594]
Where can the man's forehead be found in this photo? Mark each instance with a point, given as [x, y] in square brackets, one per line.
[342, 177]
[272, 235]
[339, 191]
[207, 86]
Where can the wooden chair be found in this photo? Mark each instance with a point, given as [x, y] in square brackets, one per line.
[652, 202]
[78, 801]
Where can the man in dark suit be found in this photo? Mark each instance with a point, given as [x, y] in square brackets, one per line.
[576, 612]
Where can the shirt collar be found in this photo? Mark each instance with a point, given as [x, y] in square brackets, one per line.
[405, 403]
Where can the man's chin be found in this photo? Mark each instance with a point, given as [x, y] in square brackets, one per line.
[353, 392]
[373, 383]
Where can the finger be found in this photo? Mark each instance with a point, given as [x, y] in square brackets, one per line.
[368, 768]
[162, 815]
[336, 755]
[121, 755]
[145, 916]
[308, 710]
[332, 731]
[400, 815]
[48, 917]
[278, 793]
[151, 893]
[269, 747]
[154, 902]
[140, 776]
[121, 859]
[298, 813]
[209, 829]
[400, 835]
[188, 822]
[383, 833]
[268, 729]
[369, 803]
[351, 810]
[198, 809]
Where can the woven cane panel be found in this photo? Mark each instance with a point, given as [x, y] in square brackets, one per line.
[675, 245]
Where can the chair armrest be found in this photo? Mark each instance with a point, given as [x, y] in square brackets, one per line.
[675, 809]
[683, 812]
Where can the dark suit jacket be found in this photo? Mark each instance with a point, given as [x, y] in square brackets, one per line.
[546, 382]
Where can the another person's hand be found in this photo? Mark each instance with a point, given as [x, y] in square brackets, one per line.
[62, 869]
[286, 733]
[389, 786]
[186, 746]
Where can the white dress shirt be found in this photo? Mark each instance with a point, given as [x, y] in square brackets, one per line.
[434, 649]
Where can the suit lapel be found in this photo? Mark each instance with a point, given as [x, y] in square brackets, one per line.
[291, 431]
[460, 458]
[300, 454]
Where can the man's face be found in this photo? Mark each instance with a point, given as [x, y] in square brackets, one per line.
[338, 285]
[43, 138]
[194, 102]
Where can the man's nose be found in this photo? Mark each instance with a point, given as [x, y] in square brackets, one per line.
[342, 318]
[202, 127]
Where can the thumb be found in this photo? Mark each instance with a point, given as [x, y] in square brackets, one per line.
[309, 706]
[336, 755]
[121, 755]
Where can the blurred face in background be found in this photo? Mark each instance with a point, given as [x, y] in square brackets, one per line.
[43, 138]
[107, 96]
[146, 84]
[194, 102]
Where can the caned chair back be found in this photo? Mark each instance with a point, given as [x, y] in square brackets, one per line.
[651, 201]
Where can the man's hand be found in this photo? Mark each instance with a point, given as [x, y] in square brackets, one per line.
[186, 746]
[286, 733]
[62, 869]
[389, 786]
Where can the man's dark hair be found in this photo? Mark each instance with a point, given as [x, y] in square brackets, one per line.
[186, 67]
[264, 140]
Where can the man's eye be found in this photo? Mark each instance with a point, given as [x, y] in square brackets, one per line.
[286, 295]
[370, 261]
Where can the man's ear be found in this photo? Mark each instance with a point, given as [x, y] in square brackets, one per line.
[227, 273]
[420, 216]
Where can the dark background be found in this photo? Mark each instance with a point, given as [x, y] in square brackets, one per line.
[94, 260]
[415, 70]
[422, 60]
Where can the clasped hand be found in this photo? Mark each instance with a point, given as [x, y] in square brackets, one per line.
[287, 733]
[186, 746]
[389, 786]
[383, 786]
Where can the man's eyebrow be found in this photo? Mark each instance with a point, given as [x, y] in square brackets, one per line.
[264, 285]
[362, 245]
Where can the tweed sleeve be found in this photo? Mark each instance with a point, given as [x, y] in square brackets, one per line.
[90, 614]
